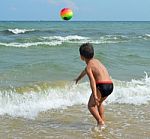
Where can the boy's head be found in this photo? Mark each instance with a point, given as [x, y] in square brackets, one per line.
[86, 50]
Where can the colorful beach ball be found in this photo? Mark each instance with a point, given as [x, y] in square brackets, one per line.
[66, 14]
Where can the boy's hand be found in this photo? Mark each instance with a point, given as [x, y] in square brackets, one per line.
[96, 101]
[83, 73]
[76, 80]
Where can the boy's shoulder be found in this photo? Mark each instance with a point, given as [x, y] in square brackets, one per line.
[88, 67]
[90, 64]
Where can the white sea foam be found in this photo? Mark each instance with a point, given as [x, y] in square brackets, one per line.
[25, 45]
[113, 39]
[52, 43]
[147, 35]
[81, 39]
[66, 38]
[19, 31]
[29, 104]
[136, 92]
[49, 41]
[58, 40]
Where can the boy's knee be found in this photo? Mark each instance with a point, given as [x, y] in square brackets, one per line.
[90, 105]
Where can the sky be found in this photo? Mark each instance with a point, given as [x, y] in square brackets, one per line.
[84, 10]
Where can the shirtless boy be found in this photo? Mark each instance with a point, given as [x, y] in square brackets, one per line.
[100, 82]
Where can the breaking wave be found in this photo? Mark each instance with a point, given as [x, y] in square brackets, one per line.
[70, 39]
[28, 101]
[58, 40]
[25, 45]
[19, 31]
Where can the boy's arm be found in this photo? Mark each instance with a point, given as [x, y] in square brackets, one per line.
[92, 84]
[82, 74]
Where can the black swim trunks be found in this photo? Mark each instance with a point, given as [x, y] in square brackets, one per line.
[105, 88]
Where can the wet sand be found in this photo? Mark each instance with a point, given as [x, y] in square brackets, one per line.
[122, 121]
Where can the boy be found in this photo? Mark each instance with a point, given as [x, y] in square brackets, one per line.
[100, 83]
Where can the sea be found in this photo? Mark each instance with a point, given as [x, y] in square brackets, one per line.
[39, 61]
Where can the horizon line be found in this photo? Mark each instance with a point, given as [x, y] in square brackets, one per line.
[75, 21]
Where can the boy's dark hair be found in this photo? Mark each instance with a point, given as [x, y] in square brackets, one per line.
[86, 50]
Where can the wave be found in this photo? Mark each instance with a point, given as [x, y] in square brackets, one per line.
[136, 92]
[19, 31]
[58, 40]
[25, 45]
[115, 37]
[124, 38]
[28, 101]
[82, 39]
[66, 38]
[48, 41]
[73, 39]
[147, 35]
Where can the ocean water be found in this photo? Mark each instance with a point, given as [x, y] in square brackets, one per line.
[40, 60]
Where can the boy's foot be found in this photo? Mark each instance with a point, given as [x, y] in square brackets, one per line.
[101, 126]
[100, 123]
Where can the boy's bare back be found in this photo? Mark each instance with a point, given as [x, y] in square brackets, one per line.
[99, 71]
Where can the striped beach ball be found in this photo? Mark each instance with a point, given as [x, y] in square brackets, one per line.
[66, 14]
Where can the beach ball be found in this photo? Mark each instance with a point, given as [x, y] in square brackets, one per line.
[66, 14]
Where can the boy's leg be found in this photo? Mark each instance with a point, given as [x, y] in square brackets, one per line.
[101, 106]
[101, 109]
[94, 110]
